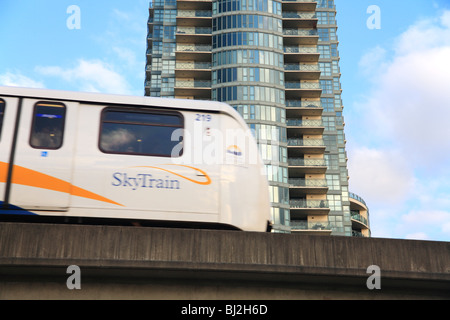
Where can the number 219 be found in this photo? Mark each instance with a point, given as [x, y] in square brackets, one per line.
[203, 117]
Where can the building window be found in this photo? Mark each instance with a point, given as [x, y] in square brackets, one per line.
[333, 181]
[335, 202]
[326, 86]
[137, 132]
[48, 125]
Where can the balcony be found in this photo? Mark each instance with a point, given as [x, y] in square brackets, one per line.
[297, 127]
[194, 4]
[191, 69]
[299, 19]
[194, 35]
[298, 147]
[193, 52]
[302, 89]
[301, 71]
[311, 227]
[301, 166]
[359, 219]
[197, 18]
[301, 207]
[299, 5]
[300, 54]
[357, 198]
[301, 186]
[298, 108]
[200, 89]
[295, 36]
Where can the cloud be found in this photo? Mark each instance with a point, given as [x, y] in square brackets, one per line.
[91, 76]
[127, 55]
[371, 60]
[18, 80]
[400, 165]
[383, 174]
[426, 222]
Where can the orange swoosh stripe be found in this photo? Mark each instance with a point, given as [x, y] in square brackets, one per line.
[3, 171]
[32, 178]
[207, 182]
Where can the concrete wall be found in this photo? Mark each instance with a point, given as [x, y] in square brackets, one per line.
[157, 263]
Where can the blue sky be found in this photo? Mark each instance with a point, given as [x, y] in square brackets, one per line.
[395, 83]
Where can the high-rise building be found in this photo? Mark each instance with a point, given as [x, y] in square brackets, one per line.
[277, 63]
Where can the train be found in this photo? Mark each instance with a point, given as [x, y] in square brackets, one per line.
[79, 156]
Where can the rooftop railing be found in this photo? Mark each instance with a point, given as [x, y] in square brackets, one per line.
[356, 197]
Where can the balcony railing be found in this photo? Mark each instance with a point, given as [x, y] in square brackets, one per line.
[305, 142]
[299, 15]
[306, 162]
[193, 84]
[301, 85]
[300, 32]
[308, 204]
[301, 67]
[194, 30]
[194, 47]
[359, 218]
[305, 225]
[300, 182]
[193, 65]
[194, 13]
[301, 49]
[303, 123]
[356, 197]
[303, 104]
[357, 234]
[299, 0]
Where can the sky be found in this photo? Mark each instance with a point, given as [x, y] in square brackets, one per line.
[394, 59]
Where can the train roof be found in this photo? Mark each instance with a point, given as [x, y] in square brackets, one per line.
[101, 98]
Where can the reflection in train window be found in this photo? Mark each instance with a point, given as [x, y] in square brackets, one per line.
[48, 125]
[141, 132]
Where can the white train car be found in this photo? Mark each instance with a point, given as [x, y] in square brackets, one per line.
[86, 155]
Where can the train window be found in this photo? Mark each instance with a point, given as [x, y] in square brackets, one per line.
[2, 112]
[138, 132]
[48, 125]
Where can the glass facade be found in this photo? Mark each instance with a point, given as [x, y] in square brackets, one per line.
[277, 63]
[248, 74]
[337, 174]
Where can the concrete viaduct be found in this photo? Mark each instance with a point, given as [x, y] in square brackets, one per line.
[118, 262]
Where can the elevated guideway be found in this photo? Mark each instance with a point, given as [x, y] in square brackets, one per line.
[118, 262]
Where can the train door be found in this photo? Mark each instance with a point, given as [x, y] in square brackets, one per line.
[8, 110]
[42, 172]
